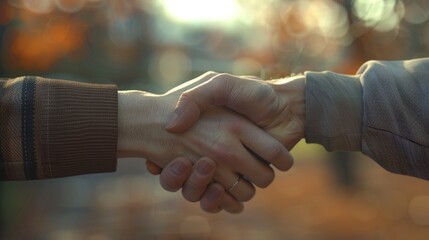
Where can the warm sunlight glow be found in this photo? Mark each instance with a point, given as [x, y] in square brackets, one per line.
[201, 11]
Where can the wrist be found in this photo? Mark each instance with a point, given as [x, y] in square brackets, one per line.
[293, 88]
[134, 114]
[141, 126]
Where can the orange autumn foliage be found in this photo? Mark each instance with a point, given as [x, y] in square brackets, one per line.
[39, 49]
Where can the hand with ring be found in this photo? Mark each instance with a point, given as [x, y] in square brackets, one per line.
[230, 140]
[277, 106]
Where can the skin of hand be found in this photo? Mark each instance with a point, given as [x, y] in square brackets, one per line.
[220, 135]
[277, 106]
[194, 182]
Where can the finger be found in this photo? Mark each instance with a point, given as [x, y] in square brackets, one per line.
[238, 159]
[192, 102]
[267, 148]
[201, 176]
[231, 205]
[174, 175]
[243, 191]
[212, 198]
[153, 168]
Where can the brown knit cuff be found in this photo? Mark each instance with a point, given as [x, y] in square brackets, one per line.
[75, 128]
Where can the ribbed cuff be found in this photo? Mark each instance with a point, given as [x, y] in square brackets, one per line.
[333, 111]
[76, 125]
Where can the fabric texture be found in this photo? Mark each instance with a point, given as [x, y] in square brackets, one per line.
[382, 111]
[55, 128]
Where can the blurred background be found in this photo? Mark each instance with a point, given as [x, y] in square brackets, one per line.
[154, 45]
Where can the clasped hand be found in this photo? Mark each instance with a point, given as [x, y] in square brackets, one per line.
[223, 132]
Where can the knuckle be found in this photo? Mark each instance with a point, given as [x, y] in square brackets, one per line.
[185, 96]
[210, 74]
[222, 86]
[226, 154]
[221, 76]
[223, 81]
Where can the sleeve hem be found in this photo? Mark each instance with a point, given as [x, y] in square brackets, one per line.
[333, 111]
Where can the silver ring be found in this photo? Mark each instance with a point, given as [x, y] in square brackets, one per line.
[234, 185]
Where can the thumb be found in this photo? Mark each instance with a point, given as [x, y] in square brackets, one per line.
[184, 116]
[196, 100]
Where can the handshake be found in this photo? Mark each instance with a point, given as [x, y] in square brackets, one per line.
[216, 137]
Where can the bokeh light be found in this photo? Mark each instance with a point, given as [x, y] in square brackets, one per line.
[70, 6]
[419, 210]
[201, 12]
[40, 7]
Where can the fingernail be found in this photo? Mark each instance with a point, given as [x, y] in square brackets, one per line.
[178, 168]
[204, 168]
[172, 121]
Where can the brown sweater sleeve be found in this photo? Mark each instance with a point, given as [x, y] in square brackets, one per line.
[55, 128]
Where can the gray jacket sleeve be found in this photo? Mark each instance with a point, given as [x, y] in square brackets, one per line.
[382, 111]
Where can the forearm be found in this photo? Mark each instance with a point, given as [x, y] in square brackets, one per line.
[289, 123]
[141, 127]
[53, 128]
[382, 111]
[137, 117]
